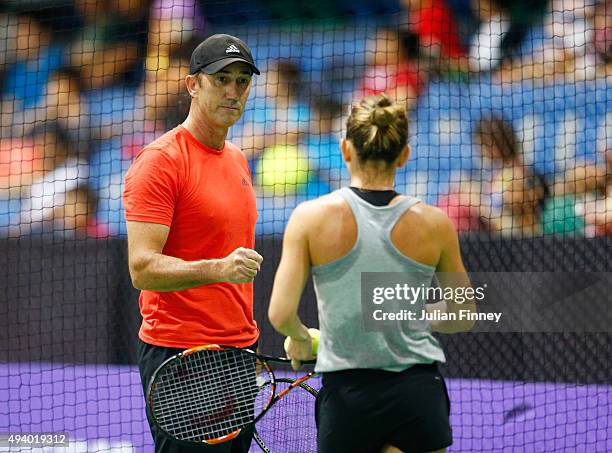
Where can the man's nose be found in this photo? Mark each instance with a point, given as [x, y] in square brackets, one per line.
[232, 92]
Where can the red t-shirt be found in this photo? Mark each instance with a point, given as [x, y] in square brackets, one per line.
[378, 79]
[435, 24]
[458, 209]
[206, 198]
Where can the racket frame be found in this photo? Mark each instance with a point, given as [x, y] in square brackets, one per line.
[261, 359]
[256, 437]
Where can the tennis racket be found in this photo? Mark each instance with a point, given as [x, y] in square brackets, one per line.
[208, 394]
[289, 426]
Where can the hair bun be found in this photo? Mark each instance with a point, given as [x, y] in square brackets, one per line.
[382, 117]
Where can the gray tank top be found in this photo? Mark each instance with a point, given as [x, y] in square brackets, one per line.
[344, 342]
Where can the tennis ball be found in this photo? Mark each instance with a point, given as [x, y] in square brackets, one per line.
[315, 334]
[281, 169]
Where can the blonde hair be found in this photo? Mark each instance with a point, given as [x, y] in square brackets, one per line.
[377, 128]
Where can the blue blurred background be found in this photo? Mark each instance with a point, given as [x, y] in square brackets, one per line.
[85, 85]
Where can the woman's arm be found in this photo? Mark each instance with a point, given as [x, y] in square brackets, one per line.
[451, 273]
[289, 283]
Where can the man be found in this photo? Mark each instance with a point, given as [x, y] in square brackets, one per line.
[190, 211]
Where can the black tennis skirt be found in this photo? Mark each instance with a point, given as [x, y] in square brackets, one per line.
[362, 410]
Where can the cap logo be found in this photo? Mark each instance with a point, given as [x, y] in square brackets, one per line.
[232, 49]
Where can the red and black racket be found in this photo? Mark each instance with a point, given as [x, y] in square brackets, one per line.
[208, 394]
[290, 425]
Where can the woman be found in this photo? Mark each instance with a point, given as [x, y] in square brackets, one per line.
[381, 389]
[512, 201]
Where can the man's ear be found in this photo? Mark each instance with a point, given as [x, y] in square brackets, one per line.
[193, 84]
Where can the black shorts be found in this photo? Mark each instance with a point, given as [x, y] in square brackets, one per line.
[360, 411]
[149, 358]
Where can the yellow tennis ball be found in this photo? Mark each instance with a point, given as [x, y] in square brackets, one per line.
[315, 334]
[281, 169]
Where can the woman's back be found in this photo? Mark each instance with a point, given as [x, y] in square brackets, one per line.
[333, 230]
[349, 236]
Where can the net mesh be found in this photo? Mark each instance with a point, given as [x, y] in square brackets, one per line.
[510, 134]
[289, 425]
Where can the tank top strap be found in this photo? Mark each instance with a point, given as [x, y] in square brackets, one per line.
[375, 219]
[350, 198]
[355, 205]
[399, 209]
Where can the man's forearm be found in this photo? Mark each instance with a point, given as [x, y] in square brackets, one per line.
[160, 272]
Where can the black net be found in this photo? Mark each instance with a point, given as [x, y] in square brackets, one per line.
[289, 425]
[510, 136]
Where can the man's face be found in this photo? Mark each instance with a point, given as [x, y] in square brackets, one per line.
[222, 96]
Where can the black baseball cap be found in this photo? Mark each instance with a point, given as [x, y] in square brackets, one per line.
[218, 51]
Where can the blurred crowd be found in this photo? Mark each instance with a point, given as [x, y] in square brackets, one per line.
[82, 93]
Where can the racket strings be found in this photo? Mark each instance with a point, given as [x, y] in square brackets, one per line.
[181, 384]
[216, 410]
[210, 405]
[206, 395]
